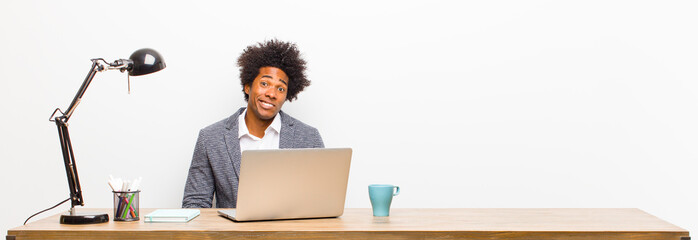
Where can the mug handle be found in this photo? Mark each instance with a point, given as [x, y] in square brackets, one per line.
[397, 192]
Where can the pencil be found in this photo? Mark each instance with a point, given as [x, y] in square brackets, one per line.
[128, 205]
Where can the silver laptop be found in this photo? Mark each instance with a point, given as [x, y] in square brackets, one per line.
[291, 184]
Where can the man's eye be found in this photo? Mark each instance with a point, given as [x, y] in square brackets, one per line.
[282, 89]
[264, 84]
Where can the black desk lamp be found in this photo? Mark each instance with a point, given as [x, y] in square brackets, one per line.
[141, 62]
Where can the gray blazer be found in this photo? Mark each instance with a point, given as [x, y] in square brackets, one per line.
[215, 166]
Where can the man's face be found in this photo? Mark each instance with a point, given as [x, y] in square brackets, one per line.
[267, 93]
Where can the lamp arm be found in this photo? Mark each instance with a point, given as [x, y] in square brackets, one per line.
[71, 169]
[96, 67]
[66, 146]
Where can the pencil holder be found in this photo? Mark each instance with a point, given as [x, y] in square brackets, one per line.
[126, 206]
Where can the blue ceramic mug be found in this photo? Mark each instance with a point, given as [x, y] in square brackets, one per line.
[381, 196]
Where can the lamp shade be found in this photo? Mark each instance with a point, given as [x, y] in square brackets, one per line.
[145, 61]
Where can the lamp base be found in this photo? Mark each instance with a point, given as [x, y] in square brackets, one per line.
[84, 218]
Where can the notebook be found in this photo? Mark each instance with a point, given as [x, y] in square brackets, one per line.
[172, 215]
[291, 184]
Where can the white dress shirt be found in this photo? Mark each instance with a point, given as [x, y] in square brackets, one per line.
[251, 142]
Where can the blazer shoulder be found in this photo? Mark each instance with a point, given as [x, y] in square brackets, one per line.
[297, 134]
[226, 124]
[214, 128]
[296, 124]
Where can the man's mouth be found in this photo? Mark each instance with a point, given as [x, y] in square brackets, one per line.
[266, 105]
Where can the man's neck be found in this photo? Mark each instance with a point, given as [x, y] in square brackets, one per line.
[255, 125]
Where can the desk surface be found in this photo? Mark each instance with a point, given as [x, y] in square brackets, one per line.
[480, 223]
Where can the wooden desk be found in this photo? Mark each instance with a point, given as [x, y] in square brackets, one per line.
[623, 224]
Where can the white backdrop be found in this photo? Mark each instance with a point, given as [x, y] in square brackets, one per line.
[521, 104]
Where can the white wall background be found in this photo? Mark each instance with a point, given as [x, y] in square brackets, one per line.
[521, 104]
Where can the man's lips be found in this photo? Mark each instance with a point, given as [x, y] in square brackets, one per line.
[266, 105]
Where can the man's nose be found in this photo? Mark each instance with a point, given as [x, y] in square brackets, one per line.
[271, 93]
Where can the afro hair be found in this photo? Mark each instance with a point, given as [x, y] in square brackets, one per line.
[278, 54]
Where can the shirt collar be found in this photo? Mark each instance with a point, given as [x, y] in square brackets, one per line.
[242, 126]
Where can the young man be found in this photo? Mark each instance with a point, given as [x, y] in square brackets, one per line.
[271, 73]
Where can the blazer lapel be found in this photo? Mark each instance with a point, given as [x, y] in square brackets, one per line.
[287, 131]
[232, 142]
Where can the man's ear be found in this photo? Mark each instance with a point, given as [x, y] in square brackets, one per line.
[247, 89]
